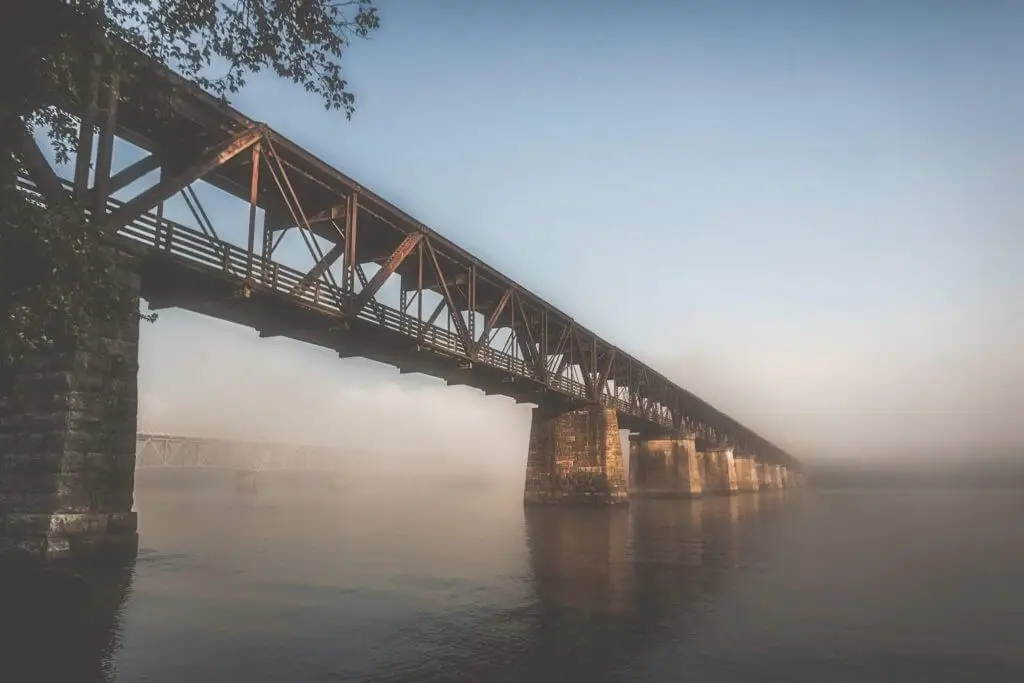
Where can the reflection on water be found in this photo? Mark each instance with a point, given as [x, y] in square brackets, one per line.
[425, 581]
[61, 623]
[578, 558]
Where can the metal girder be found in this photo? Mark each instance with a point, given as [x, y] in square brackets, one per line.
[363, 284]
[254, 196]
[380, 277]
[348, 278]
[603, 377]
[492, 319]
[528, 346]
[146, 200]
[453, 310]
[132, 172]
[321, 266]
[433, 318]
[585, 364]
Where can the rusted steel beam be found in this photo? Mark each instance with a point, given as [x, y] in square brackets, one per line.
[586, 367]
[492, 319]
[602, 379]
[132, 172]
[363, 284]
[348, 277]
[331, 213]
[146, 200]
[453, 310]
[432, 319]
[198, 212]
[294, 206]
[380, 277]
[529, 344]
[319, 268]
[254, 196]
[471, 307]
[419, 281]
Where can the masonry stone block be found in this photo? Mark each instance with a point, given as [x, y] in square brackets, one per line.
[746, 473]
[575, 457]
[67, 438]
[720, 470]
[665, 467]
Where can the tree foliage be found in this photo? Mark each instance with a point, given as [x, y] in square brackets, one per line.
[57, 54]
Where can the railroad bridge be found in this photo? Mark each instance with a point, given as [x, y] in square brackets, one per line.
[172, 451]
[378, 284]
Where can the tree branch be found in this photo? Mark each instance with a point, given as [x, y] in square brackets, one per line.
[39, 168]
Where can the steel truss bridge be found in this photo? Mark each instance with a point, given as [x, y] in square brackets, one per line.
[167, 451]
[455, 317]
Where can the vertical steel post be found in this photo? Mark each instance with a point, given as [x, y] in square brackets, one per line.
[349, 264]
[471, 313]
[419, 283]
[254, 192]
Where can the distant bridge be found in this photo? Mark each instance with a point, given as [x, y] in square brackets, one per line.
[168, 451]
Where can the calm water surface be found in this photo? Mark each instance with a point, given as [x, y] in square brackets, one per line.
[430, 581]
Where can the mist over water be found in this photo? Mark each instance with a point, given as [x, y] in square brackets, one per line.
[397, 579]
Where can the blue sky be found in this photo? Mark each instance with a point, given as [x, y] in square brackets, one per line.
[809, 213]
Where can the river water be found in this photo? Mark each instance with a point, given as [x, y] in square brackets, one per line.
[309, 579]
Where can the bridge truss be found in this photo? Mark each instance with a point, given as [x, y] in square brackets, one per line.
[455, 318]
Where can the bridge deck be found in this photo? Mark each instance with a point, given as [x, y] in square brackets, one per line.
[486, 330]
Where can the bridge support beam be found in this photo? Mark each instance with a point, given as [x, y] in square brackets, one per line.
[67, 438]
[746, 473]
[575, 458]
[664, 468]
[719, 470]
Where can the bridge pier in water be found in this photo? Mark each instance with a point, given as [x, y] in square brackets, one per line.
[67, 438]
[575, 457]
[719, 470]
[665, 467]
[746, 473]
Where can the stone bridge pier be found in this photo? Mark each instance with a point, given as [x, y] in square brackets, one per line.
[575, 457]
[67, 438]
[747, 480]
[664, 467]
[719, 464]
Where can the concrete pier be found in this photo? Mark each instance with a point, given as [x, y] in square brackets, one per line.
[67, 438]
[575, 457]
[664, 467]
[719, 470]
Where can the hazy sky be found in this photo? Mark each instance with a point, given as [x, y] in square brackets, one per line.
[810, 214]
